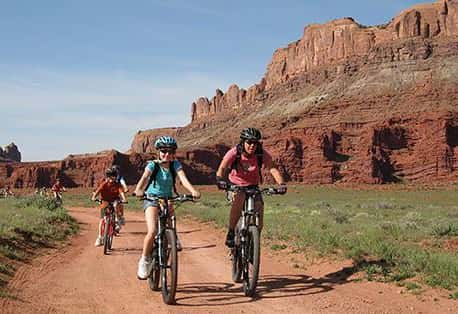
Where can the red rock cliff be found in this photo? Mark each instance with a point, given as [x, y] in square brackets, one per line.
[349, 103]
[334, 43]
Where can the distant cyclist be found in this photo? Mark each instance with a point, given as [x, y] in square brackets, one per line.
[8, 192]
[164, 171]
[245, 162]
[57, 190]
[118, 206]
[109, 191]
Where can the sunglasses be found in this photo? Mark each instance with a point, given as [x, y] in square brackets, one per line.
[168, 151]
[250, 142]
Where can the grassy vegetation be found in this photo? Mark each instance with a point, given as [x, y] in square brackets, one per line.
[28, 223]
[82, 197]
[392, 235]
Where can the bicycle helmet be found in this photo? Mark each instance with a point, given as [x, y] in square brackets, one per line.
[110, 173]
[165, 142]
[116, 169]
[250, 134]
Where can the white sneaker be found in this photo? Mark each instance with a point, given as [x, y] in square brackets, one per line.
[179, 247]
[99, 241]
[144, 268]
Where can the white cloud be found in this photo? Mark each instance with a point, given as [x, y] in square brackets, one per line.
[50, 107]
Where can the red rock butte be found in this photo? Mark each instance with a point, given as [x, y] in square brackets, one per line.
[345, 103]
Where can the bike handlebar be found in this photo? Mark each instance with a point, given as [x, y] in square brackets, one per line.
[179, 198]
[100, 201]
[267, 190]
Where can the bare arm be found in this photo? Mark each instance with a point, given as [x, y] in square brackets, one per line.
[188, 186]
[141, 185]
[123, 196]
[275, 172]
[97, 191]
[222, 168]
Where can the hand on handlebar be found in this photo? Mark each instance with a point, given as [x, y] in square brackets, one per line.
[281, 189]
[221, 184]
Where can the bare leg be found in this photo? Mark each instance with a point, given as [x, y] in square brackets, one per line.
[236, 210]
[151, 217]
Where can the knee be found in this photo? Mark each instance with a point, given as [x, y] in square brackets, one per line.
[150, 235]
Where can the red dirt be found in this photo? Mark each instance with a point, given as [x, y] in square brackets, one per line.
[80, 279]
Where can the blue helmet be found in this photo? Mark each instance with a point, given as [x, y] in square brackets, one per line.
[165, 142]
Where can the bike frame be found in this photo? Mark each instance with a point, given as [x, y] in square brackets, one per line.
[162, 225]
[165, 230]
[109, 219]
[245, 252]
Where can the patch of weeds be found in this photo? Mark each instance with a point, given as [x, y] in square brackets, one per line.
[6, 269]
[376, 272]
[339, 216]
[11, 253]
[402, 274]
[385, 205]
[278, 247]
[434, 281]
[443, 230]
[454, 296]
[411, 286]
[322, 204]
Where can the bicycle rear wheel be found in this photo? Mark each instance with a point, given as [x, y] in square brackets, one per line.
[169, 271]
[251, 263]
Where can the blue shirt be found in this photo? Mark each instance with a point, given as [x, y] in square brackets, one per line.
[164, 180]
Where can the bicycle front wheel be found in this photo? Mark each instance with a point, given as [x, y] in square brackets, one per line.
[111, 233]
[236, 257]
[251, 262]
[169, 271]
[106, 235]
[153, 279]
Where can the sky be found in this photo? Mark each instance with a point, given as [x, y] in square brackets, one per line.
[84, 76]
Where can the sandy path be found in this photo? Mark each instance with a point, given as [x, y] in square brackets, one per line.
[81, 279]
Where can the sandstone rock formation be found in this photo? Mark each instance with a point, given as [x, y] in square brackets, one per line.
[350, 103]
[87, 170]
[344, 103]
[10, 153]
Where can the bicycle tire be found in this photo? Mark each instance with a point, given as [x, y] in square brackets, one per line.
[153, 279]
[111, 232]
[169, 271]
[253, 256]
[105, 226]
[236, 258]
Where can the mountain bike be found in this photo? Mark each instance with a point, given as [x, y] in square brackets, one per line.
[164, 255]
[108, 225]
[246, 253]
[58, 199]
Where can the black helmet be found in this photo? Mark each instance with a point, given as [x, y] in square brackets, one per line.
[116, 169]
[250, 134]
[110, 173]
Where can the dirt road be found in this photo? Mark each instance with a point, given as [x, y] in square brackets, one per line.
[80, 279]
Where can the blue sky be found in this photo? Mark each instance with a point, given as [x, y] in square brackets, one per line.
[84, 76]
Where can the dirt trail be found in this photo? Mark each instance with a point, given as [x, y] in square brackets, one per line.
[80, 279]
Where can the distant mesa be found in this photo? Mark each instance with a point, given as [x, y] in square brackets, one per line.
[10, 152]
